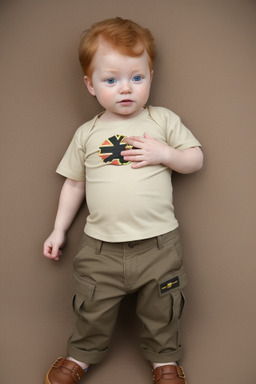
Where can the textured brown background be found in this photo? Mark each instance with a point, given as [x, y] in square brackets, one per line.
[205, 72]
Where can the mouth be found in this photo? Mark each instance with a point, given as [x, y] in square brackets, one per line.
[126, 102]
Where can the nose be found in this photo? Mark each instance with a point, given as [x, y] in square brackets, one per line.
[125, 87]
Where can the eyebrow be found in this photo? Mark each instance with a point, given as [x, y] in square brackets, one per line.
[113, 71]
[109, 71]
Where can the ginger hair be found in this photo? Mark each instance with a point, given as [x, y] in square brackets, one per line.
[124, 35]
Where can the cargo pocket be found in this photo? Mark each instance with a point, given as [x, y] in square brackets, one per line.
[173, 285]
[84, 289]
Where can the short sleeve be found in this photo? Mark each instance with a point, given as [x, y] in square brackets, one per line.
[179, 136]
[72, 164]
[176, 134]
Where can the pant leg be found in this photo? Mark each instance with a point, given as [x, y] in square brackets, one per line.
[160, 301]
[98, 292]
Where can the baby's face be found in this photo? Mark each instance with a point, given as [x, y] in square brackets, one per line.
[120, 83]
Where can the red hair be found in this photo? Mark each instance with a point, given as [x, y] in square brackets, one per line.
[124, 35]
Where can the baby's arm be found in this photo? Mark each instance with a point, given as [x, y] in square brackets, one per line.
[150, 151]
[71, 197]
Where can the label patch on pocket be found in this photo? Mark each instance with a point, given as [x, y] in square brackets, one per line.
[170, 284]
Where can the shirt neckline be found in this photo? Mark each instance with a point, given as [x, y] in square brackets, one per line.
[120, 122]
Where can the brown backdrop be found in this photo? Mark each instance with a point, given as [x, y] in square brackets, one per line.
[205, 72]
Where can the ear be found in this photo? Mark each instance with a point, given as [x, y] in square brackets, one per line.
[151, 75]
[89, 85]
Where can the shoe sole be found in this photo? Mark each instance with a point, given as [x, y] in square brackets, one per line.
[46, 380]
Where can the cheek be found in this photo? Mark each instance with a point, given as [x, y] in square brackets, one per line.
[104, 95]
[144, 92]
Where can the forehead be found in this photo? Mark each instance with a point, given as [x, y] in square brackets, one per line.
[108, 55]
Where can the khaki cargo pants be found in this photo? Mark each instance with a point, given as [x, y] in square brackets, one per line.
[105, 272]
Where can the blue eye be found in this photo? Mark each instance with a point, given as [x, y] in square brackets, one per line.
[111, 80]
[137, 78]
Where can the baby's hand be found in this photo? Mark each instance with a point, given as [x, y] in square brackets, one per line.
[146, 151]
[53, 244]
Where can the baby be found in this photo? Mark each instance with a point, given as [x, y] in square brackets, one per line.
[122, 161]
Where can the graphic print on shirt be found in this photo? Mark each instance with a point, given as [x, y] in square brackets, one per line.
[110, 150]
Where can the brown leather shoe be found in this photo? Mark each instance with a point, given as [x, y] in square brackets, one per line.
[64, 371]
[169, 374]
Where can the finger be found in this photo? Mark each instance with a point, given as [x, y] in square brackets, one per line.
[139, 164]
[56, 252]
[131, 152]
[47, 251]
[135, 141]
[138, 138]
[134, 158]
[56, 258]
[51, 253]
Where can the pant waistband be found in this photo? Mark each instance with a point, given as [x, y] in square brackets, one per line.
[158, 241]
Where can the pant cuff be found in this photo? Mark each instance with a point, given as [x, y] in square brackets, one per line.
[163, 357]
[88, 357]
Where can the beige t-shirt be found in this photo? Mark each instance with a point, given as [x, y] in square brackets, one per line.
[125, 204]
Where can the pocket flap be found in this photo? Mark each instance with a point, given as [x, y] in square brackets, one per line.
[173, 282]
[83, 286]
